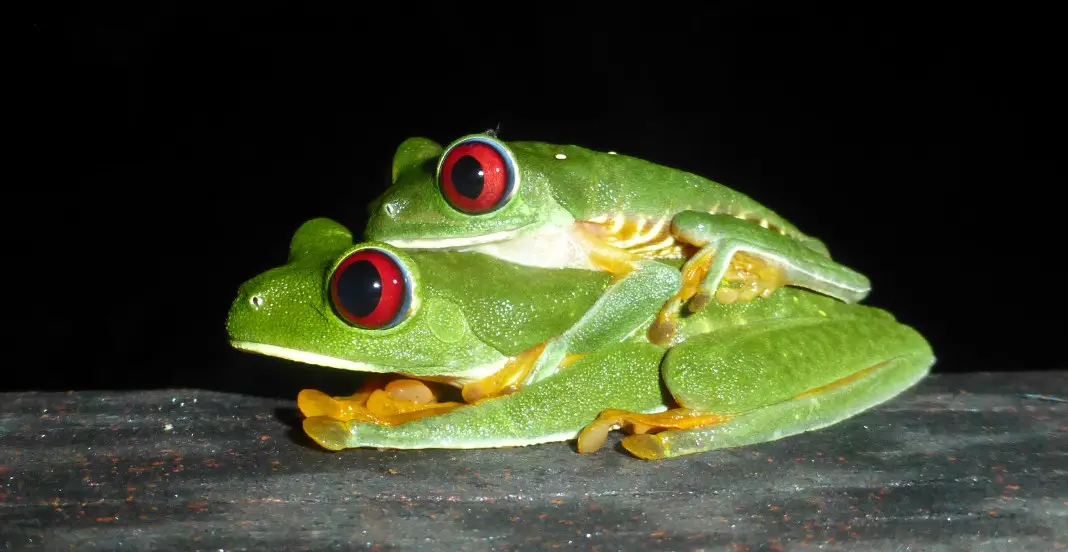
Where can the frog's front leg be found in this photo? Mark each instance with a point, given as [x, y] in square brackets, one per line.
[740, 260]
[623, 309]
[770, 380]
[621, 376]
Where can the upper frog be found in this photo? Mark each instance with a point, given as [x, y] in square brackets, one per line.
[553, 206]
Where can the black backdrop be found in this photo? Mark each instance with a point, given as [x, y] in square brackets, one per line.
[174, 149]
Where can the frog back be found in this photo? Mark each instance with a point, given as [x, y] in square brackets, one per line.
[601, 186]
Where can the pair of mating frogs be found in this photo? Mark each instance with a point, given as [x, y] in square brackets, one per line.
[521, 293]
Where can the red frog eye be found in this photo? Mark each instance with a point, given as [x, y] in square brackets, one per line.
[477, 176]
[370, 289]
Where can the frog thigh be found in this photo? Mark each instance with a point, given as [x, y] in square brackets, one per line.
[779, 378]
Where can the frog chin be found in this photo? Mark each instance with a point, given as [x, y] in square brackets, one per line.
[461, 243]
[549, 246]
[458, 379]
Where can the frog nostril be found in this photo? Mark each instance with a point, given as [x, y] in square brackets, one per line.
[391, 209]
[256, 301]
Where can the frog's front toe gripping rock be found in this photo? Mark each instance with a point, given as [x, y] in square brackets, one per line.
[327, 432]
[641, 442]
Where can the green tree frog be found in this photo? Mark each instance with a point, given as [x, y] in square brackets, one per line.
[556, 206]
[736, 374]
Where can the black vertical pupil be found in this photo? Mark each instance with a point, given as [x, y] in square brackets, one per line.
[468, 177]
[359, 288]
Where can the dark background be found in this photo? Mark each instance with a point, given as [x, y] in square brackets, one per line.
[173, 150]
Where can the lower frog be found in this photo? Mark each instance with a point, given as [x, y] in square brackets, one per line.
[469, 320]
[735, 374]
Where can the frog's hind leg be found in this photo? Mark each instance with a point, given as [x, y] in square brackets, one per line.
[771, 380]
[741, 260]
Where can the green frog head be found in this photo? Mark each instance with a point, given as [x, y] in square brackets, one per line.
[371, 307]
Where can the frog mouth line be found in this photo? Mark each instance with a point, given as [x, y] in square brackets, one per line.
[473, 374]
[457, 243]
[309, 358]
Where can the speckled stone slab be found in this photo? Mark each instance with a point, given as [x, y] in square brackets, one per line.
[961, 462]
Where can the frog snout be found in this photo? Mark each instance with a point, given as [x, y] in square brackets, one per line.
[242, 312]
[273, 306]
[256, 300]
[252, 307]
[253, 297]
[392, 208]
[386, 206]
[387, 209]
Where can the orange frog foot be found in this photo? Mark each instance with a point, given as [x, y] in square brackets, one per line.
[747, 278]
[329, 433]
[642, 441]
[398, 401]
[603, 247]
[663, 328]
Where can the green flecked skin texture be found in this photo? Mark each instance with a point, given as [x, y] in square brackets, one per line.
[792, 362]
